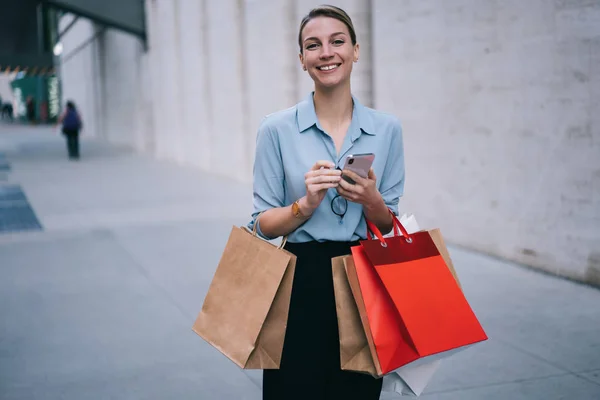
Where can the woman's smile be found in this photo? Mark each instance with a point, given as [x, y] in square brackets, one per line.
[328, 68]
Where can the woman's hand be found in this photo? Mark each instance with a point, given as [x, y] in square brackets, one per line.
[364, 191]
[321, 177]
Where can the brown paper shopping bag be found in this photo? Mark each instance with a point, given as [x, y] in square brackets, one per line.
[355, 354]
[245, 311]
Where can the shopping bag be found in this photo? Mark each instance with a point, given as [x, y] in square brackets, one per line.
[244, 314]
[414, 308]
[410, 380]
[355, 354]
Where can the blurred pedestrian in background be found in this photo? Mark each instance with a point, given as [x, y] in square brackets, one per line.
[70, 121]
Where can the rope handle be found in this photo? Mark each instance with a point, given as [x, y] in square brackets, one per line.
[254, 233]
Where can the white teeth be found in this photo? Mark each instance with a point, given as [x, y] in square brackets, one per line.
[328, 67]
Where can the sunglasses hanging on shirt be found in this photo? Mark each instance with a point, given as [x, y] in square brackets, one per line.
[339, 206]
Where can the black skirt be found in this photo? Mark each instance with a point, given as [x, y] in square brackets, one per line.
[310, 364]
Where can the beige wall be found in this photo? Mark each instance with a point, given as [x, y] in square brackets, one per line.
[499, 103]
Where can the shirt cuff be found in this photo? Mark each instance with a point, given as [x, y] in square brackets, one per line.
[258, 231]
[393, 206]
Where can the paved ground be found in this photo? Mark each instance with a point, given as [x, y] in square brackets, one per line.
[99, 305]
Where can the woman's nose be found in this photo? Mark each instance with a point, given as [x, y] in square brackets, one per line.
[326, 52]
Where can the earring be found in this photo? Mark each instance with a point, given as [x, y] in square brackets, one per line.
[304, 67]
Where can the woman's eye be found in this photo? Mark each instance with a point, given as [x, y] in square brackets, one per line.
[338, 42]
[311, 46]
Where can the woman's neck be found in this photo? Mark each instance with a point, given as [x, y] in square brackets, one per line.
[333, 107]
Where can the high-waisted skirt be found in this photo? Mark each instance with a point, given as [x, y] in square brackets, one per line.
[310, 364]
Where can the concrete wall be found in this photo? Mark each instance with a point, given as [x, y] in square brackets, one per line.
[500, 105]
[499, 101]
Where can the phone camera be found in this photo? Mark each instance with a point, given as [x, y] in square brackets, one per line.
[351, 161]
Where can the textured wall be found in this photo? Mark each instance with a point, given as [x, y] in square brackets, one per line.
[499, 101]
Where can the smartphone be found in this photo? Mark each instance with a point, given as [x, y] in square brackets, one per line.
[359, 164]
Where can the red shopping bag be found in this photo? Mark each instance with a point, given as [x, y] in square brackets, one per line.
[414, 306]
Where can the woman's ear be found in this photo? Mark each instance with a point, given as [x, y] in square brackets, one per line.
[356, 52]
[301, 57]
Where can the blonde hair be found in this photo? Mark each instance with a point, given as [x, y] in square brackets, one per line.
[330, 12]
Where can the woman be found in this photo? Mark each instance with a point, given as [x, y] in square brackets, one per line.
[71, 125]
[298, 192]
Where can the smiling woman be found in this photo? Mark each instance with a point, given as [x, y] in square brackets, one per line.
[327, 42]
[299, 193]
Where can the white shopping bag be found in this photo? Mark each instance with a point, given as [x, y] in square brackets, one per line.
[410, 380]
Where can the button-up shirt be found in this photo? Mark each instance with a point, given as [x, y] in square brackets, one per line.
[291, 141]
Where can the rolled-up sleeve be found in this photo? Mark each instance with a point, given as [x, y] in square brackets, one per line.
[392, 181]
[268, 188]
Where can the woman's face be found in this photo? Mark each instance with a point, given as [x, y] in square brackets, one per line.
[328, 52]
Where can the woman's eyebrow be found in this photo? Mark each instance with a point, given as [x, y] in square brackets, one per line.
[332, 35]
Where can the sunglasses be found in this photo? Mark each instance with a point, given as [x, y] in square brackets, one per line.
[339, 206]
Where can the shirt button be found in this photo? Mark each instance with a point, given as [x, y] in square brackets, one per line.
[341, 222]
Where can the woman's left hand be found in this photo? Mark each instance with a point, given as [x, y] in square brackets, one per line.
[364, 191]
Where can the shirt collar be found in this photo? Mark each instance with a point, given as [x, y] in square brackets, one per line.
[307, 117]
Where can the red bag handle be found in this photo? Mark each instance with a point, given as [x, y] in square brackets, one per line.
[371, 228]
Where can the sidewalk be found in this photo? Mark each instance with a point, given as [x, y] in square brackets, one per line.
[100, 303]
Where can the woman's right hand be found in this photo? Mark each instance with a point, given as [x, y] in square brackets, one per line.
[321, 177]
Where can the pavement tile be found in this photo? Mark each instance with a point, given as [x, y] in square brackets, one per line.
[592, 375]
[538, 314]
[486, 363]
[78, 308]
[101, 304]
[190, 380]
[565, 387]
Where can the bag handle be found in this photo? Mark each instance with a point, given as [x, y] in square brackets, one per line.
[254, 233]
[398, 227]
[375, 229]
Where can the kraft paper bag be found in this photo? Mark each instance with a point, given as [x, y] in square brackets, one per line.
[244, 314]
[355, 354]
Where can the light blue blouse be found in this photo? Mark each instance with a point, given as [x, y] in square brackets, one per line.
[289, 142]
